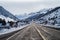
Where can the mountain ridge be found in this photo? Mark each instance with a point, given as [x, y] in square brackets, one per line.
[7, 13]
[41, 15]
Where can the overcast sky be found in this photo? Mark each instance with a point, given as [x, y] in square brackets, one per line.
[18, 7]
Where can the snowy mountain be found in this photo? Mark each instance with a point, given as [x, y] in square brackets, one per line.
[50, 16]
[37, 15]
[5, 13]
[24, 16]
[32, 15]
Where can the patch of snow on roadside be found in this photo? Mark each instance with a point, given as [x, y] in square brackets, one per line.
[5, 31]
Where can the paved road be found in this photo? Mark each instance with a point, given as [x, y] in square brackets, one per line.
[36, 32]
[48, 33]
[30, 33]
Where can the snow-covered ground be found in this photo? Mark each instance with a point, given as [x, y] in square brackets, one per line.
[12, 29]
[6, 18]
[48, 25]
[6, 31]
[54, 26]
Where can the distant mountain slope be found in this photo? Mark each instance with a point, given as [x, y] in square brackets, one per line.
[39, 14]
[5, 13]
[22, 16]
[53, 17]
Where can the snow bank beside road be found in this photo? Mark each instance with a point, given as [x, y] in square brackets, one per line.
[6, 31]
[54, 26]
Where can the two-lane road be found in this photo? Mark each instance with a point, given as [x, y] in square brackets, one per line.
[36, 32]
[30, 33]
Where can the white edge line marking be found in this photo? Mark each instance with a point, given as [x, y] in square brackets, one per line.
[40, 33]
